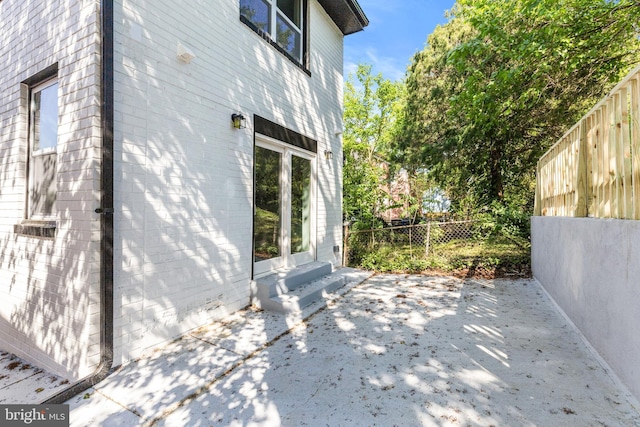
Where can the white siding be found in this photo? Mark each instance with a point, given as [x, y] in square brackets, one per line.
[183, 175]
[48, 288]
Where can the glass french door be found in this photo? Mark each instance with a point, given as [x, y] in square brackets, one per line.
[284, 207]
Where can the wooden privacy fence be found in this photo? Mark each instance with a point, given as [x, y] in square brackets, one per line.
[594, 169]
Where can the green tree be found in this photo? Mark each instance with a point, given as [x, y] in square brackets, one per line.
[502, 81]
[372, 105]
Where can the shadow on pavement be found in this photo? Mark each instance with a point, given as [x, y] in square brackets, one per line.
[416, 350]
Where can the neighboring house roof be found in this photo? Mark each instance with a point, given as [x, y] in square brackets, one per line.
[347, 14]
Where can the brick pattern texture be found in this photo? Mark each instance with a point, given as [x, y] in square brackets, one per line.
[183, 175]
[49, 294]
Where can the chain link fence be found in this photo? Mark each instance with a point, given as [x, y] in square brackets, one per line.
[419, 240]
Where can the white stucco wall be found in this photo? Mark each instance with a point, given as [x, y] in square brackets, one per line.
[591, 268]
[183, 175]
[49, 287]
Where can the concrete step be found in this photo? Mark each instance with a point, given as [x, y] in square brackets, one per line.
[304, 295]
[285, 281]
[292, 290]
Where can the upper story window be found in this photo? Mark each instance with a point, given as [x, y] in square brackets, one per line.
[281, 20]
[43, 140]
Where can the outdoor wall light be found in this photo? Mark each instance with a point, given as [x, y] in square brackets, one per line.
[239, 121]
[328, 154]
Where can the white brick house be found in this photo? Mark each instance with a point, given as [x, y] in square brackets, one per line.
[131, 208]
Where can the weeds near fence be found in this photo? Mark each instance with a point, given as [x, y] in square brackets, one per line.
[463, 247]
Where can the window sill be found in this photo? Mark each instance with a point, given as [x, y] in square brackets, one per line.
[33, 228]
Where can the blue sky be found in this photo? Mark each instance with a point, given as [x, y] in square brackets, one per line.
[397, 29]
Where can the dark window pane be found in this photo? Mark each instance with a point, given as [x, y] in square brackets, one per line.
[290, 8]
[257, 12]
[266, 220]
[42, 188]
[288, 37]
[300, 204]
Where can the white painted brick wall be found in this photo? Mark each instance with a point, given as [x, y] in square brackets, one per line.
[48, 294]
[183, 175]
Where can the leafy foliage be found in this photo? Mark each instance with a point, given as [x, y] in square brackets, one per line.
[371, 107]
[504, 220]
[502, 81]
[490, 254]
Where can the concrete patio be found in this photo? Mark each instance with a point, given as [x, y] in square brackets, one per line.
[392, 350]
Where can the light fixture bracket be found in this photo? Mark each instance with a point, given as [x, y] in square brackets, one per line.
[238, 120]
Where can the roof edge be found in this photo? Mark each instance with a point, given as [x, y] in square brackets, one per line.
[357, 10]
[346, 14]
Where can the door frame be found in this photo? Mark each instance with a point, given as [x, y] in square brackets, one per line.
[287, 259]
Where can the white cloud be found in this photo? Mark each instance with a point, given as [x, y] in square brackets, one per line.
[350, 68]
[388, 66]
